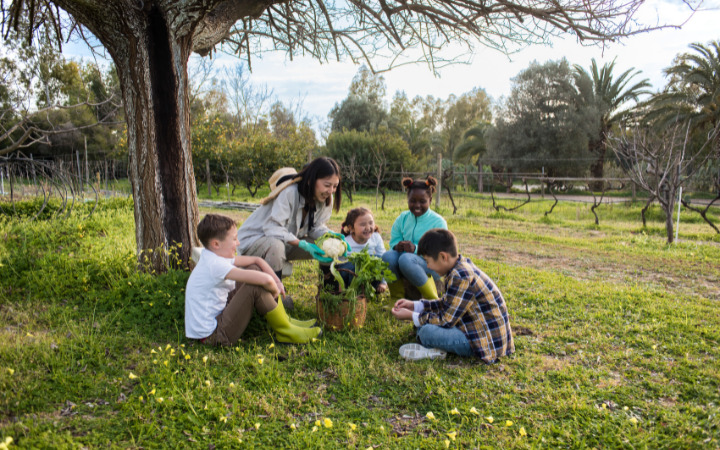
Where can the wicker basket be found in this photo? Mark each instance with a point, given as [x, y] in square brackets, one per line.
[337, 320]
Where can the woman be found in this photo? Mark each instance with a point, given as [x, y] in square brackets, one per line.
[295, 213]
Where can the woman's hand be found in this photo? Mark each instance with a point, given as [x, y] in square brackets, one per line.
[315, 251]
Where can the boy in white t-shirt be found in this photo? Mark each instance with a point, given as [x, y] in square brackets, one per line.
[214, 320]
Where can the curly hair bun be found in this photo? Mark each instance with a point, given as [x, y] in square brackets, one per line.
[407, 182]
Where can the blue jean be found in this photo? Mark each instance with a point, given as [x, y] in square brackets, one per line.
[409, 266]
[451, 339]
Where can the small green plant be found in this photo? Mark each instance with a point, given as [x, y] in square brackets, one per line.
[369, 269]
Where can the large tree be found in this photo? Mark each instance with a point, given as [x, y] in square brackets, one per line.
[545, 122]
[610, 96]
[150, 42]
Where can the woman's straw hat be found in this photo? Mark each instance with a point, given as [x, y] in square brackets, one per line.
[285, 181]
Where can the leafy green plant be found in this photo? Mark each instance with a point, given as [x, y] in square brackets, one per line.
[368, 270]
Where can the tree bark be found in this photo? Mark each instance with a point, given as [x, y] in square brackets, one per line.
[150, 44]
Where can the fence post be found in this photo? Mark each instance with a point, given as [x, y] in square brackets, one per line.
[439, 180]
[542, 183]
[79, 171]
[87, 167]
[207, 177]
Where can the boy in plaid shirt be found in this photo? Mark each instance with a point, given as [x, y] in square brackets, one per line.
[471, 318]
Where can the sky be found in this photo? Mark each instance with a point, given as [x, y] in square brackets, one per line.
[318, 87]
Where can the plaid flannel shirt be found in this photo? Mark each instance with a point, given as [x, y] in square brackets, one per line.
[473, 303]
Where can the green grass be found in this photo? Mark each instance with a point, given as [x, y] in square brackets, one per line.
[617, 337]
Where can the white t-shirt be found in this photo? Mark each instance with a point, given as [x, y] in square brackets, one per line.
[374, 244]
[206, 294]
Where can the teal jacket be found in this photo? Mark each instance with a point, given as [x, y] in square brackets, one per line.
[407, 227]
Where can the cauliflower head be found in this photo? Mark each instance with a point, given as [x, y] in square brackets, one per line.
[333, 248]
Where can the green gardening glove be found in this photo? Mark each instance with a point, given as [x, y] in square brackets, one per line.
[315, 251]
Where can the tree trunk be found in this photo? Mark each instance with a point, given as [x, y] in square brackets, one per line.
[597, 168]
[152, 66]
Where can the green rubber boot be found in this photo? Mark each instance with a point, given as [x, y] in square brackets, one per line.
[428, 290]
[285, 331]
[303, 323]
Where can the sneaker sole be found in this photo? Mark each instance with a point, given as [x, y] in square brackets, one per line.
[416, 352]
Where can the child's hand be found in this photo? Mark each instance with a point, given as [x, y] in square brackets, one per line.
[382, 287]
[404, 304]
[405, 246]
[402, 313]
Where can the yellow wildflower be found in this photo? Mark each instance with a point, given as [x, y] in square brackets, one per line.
[447, 443]
[140, 398]
[207, 382]
[223, 419]
[317, 423]
[132, 376]
[205, 359]
[257, 425]
[232, 385]
[454, 411]
[430, 415]
[474, 411]
[160, 399]
[28, 334]
[633, 420]
[522, 431]
[272, 345]
[352, 426]
[167, 347]
[314, 429]
[293, 426]
[165, 362]
[489, 419]
[10, 371]
[6, 443]
[153, 351]
[152, 392]
[327, 422]
[508, 423]
[154, 361]
[452, 435]
[187, 356]
[261, 360]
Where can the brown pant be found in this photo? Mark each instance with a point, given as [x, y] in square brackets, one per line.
[233, 320]
[275, 252]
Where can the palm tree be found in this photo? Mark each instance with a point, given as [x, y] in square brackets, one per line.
[609, 95]
[693, 92]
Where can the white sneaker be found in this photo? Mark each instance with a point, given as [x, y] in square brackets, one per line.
[414, 352]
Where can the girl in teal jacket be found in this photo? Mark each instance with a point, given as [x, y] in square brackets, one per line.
[406, 233]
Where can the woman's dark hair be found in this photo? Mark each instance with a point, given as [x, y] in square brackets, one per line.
[427, 184]
[318, 168]
[352, 216]
[321, 167]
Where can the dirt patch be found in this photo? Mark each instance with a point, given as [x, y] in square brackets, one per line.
[693, 278]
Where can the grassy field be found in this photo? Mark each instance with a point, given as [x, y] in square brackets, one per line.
[617, 337]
